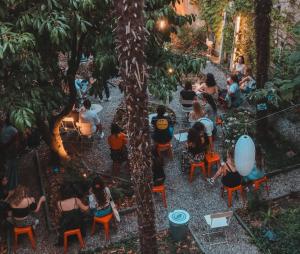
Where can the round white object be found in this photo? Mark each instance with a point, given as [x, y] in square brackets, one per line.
[244, 155]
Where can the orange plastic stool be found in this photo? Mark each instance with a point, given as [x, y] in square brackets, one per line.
[68, 233]
[230, 191]
[23, 230]
[260, 181]
[161, 189]
[197, 165]
[211, 159]
[105, 222]
[165, 147]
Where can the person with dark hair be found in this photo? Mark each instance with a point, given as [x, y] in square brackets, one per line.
[157, 168]
[87, 115]
[9, 139]
[99, 198]
[209, 86]
[233, 96]
[4, 196]
[71, 209]
[248, 83]
[118, 149]
[163, 126]
[209, 107]
[230, 176]
[195, 152]
[240, 67]
[187, 94]
[22, 206]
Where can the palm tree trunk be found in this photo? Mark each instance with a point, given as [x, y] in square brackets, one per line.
[131, 39]
[262, 40]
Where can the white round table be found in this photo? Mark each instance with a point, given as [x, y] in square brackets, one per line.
[96, 107]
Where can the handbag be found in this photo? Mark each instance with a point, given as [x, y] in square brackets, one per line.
[113, 206]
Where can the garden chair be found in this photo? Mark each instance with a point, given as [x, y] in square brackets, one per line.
[161, 189]
[180, 138]
[68, 233]
[104, 220]
[195, 165]
[217, 223]
[257, 183]
[186, 109]
[23, 230]
[211, 159]
[230, 191]
[165, 147]
[68, 124]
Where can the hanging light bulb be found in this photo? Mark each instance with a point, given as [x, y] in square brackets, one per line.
[162, 24]
[170, 70]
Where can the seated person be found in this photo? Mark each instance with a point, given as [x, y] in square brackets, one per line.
[187, 93]
[233, 96]
[23, 206]
[118, 150]
[87, 115]
[210, 128]
[209, 107]
[248, 83]
[240, 68]
[230, 177]
[4, 195]
[70, 208]
[196, 113]
[195, 152]
[99, 198]
[256, 172]
[157, 169]
[163, 126]
[210, 86]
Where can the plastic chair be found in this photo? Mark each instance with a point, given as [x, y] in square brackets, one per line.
[257, 183]
[68, 233]
[230, 191]
[161, 189]
[105, 222]
[195, 165]
[211, 159]
[165, 147]
[186, 109]
[23, 230]
[218, 222]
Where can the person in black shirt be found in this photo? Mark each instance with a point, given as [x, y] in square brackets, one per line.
[162, 126]
[187, 94]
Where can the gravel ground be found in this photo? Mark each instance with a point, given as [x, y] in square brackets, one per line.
[198, 198]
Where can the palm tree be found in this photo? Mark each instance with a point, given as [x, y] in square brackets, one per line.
[262, 41]
[131, 40]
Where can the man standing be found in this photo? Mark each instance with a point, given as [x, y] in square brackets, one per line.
[8, 148]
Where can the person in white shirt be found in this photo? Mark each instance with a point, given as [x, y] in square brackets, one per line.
[240, 67]
[87, 115]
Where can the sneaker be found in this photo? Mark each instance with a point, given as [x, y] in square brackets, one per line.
[108, 99]
[211, 181]
[100, 100]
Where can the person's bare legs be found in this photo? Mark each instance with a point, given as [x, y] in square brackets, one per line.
[116, 168]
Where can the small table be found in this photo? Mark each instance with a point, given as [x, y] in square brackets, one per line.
[181, 137]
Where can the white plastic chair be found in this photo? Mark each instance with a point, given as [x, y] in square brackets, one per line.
[186, 109]
[218, 223]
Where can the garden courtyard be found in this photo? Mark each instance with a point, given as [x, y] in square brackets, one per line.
[99, 138]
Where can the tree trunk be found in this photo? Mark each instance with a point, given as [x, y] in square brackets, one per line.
[131, 39]
[262, 41]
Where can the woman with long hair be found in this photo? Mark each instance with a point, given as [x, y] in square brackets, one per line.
[70, 208]
[197, 112]
[210, 107]
[195, 151]
[99, 198]
[118, 150]
[230, 176]
[210, 86]
[23, 206]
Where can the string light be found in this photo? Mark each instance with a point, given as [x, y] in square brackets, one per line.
[162, 24]
[84, 175]
[170, 70]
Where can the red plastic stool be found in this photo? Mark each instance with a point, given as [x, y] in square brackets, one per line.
[23, 230]
[211, 159]
[105, 222]
[68, 233]
[195, 165]
[257, 183]
[165, 147]
[230, 191]
[161, 189]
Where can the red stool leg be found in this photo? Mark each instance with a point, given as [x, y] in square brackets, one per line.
[192, 173]
[106, 230]
[79, 236]
[65, 243]
[15, 241]
[31, 238]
